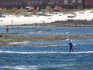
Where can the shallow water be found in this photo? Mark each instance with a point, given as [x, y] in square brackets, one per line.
[42, 31]
[50, 57]
[47, 55]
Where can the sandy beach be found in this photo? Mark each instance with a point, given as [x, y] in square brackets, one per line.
[47, 18]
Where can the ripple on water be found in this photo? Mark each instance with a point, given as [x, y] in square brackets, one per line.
[47, 55]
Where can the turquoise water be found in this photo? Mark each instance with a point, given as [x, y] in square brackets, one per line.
[47, 55]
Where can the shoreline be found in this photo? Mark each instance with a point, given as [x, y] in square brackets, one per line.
[73, 23]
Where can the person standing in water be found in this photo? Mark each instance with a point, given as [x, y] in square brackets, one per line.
[7, 28]
[70, 46]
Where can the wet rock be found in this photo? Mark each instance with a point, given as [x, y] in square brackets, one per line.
[1, 35]
[5, 39]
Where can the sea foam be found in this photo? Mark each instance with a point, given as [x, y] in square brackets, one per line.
[23, 67]
[46, 52]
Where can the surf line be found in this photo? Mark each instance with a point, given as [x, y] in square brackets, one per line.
[46, 52]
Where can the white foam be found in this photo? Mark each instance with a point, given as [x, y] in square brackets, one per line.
[67, 33]
[18, 43]
[23, 67]
[46, 52]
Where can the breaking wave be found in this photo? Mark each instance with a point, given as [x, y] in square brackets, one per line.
[46, 52]
[19, 67]
[24, 42]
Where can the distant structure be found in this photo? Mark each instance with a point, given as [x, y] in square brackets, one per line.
[69, 4]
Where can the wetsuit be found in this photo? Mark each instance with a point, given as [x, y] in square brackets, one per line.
[71, 47]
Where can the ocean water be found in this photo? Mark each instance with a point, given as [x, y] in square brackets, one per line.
[47, 55]
[42, 30]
